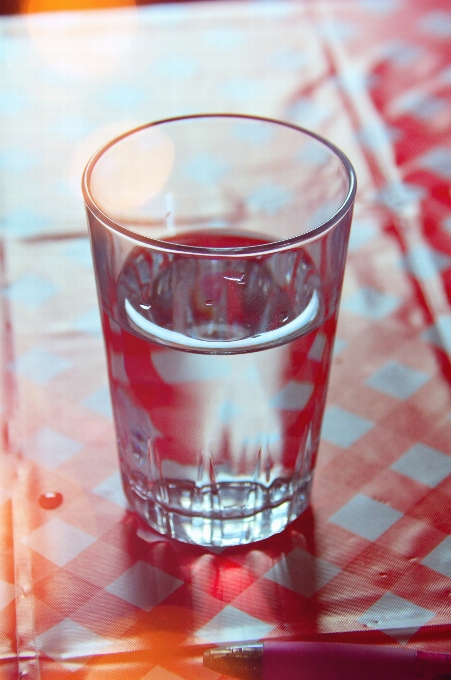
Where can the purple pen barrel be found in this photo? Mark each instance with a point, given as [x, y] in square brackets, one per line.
[433, 666]
[337, 661]
[273, 660]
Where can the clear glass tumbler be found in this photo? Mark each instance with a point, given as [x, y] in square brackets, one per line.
[219, 245]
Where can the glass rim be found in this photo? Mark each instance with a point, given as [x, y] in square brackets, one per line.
[265, 248]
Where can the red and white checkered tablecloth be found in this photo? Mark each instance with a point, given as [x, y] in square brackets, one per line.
[85, 592]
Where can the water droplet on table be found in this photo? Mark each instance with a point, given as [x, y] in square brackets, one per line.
[50, 500]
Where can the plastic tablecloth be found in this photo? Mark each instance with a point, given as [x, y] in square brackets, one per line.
[87, 592]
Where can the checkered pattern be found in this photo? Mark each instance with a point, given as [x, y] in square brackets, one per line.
[86, 592]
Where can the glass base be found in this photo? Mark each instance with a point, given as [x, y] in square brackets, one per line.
[216, 529]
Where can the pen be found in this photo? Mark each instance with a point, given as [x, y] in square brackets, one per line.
[273, 660]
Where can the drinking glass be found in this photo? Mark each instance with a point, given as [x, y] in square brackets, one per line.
[219, 245]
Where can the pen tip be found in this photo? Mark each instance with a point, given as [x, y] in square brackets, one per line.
[244, 662]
